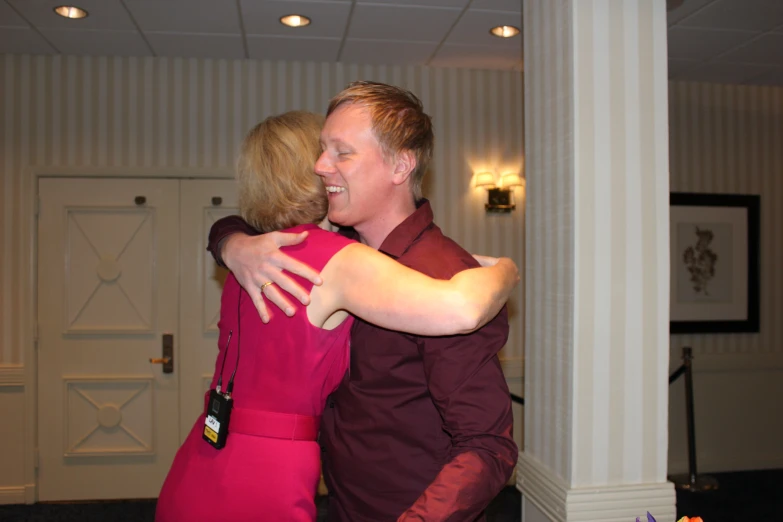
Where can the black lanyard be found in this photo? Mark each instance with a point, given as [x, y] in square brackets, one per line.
[219, 406]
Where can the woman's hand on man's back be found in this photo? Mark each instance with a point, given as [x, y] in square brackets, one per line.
[257, 260]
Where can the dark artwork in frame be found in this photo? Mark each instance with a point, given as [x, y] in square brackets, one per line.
[714, 249]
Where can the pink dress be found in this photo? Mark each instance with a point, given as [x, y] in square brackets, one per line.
[287, 366]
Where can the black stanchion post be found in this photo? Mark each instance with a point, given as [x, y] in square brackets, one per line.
[687, 356]
[517, 399]
[692, 481]
[676, 375]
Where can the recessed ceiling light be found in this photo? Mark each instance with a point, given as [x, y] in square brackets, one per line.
[69, 11]
[294, 20]
[504, 31]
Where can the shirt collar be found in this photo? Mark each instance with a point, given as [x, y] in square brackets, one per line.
[403, 236]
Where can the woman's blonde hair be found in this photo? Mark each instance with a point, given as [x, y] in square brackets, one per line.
[278, 187]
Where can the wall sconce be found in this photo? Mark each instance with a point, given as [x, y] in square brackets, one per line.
[500, 197]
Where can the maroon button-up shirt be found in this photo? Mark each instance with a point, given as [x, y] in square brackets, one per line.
[421, 427]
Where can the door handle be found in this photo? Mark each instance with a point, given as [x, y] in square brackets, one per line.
[167, 347]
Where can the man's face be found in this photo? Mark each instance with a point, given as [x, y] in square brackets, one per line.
[352, 167]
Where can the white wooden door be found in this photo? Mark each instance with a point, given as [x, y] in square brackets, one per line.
[108, 277]
[202, 202]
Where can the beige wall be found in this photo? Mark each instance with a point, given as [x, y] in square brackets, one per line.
[727, 139]
[158, 115]
[173, 114]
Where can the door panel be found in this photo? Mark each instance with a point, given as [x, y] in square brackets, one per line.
[107, 292]
[202, 203]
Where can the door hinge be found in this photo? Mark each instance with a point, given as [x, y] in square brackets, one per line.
[35, 335]
[36, 459]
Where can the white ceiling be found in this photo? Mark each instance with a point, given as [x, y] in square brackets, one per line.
[722, 41]
[727, 41]
[440, 33]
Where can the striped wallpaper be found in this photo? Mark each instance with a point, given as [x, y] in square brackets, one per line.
[622, 238]
[726, 139]
[169, 115]
[597, 266]
[549, 145]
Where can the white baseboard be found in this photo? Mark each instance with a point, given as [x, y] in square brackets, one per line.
[732, 362]
[530, 513]
[29, 494]
[513, 367]
[560, 503]
[12, 495]
[11, 375]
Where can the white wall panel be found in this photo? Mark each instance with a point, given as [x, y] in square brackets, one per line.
[169, 116]
[725, 139]
[168, 113]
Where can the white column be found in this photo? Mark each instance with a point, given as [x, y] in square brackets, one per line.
[597, 265]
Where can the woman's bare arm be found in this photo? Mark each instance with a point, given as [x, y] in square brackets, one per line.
[378, 289]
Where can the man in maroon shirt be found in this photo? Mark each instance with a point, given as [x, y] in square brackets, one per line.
[421, 427]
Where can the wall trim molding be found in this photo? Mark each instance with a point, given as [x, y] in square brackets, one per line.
[12, 495]
[11, 375]
[221, 172]
[513, 367]
[540, 486]
[739, 461]
[731, 362]
[560, 502]
[30, 493]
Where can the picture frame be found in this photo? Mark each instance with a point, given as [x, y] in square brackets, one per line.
[714, 256]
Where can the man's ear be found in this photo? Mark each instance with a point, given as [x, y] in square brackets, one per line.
[404, 165]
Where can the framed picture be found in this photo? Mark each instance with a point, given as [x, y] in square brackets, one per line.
[714, 245]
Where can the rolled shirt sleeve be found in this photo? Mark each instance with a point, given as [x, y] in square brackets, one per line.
[221, 229]
[467, 386]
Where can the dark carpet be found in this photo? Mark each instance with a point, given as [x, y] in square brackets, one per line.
[505, 508]
[742, 496]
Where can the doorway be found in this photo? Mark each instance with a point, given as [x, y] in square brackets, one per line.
[128, 304]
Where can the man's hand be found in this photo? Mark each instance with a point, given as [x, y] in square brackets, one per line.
[486, 261]
[510, 269]
[256, 260]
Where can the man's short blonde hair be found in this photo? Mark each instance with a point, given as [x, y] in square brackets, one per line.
[278, 187]
[398, 122]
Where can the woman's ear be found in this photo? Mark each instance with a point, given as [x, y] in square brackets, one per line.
[404, 165]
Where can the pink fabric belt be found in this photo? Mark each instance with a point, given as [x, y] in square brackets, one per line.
[275, 425]
[272, 424]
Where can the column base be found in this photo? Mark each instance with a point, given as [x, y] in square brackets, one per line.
[550, 497]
